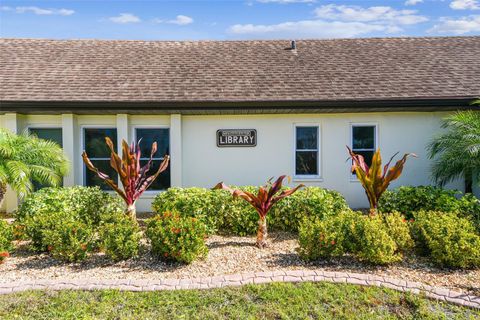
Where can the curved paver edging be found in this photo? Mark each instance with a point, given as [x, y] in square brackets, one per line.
[442, 294]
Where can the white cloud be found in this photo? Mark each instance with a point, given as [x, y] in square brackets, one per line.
[382, 14]
[181, 20]
[42, 11]
[457, 26]
[5, 8]
[465, 4]
[286, 1]
[124, 18]
[307, 29]
[412, 2]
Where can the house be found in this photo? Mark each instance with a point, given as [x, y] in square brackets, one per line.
[240, 111]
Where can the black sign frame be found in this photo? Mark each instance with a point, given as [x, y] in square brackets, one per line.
[231, 132]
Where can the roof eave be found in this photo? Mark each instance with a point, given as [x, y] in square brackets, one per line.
[225, 107]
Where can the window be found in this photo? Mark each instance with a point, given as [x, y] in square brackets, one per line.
[306, 151]
[99, 153]
[364, 141]
[147, 136]
[52, 134]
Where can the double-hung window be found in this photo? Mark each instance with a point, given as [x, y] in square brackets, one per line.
[147, 136]
[307, 151]
[52, 134]
[99, 153]
[364, 141]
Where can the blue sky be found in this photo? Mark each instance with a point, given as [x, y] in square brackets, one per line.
[247, 19]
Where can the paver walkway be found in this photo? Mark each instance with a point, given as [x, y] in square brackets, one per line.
[246, 278]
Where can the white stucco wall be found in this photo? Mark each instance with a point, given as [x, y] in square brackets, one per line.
[197, 161]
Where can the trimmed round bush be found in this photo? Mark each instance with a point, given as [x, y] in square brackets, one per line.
[50, 215]
[6, 238]
[220, 212]
[374, 239]
[408, 199]
[87, 203]
[71, 240]
[178, 238]
[448, 239]
[120, 237]
[373, 243]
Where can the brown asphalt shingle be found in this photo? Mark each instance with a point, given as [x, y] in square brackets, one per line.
[319, 70]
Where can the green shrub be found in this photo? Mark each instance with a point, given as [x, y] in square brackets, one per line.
[375, 239]
[6, 238]
[87, 203]
[324, 238]
[120, 237]
[178, 238]
[48, 207]
[372, 241]
[71, 240]
[219, 211]
[399, 229]
[408, 199]
[448, 239]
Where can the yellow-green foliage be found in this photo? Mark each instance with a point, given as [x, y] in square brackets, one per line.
[6, 237]
[221, 213]
[376, 239]
[178, 238]
[448, 239]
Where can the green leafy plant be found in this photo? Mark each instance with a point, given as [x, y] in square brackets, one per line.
[177, 238]
[25, 158]
[376, 239]
[323, 238]
[375, 179]
[71, 240]
[222, 213]
[266, 197]
[134, 177]
[6, 238]
[448, 239]
[120, 238]
[408, 200]
[49, 207]
[457, 151]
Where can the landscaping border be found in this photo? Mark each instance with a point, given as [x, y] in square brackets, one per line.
[436, 293]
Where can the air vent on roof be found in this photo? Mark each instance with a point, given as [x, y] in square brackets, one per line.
[293, 45]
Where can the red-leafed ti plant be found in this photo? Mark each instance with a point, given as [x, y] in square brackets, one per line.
[374, 179]
[134, 178]
[266, 197]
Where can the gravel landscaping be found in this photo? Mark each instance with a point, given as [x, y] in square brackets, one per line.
[228, 255]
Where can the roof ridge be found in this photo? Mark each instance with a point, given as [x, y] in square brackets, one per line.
[251, 40]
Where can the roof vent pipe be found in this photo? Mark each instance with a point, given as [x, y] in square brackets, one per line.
[293, 45]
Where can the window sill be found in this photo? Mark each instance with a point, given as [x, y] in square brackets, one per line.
[307, 179]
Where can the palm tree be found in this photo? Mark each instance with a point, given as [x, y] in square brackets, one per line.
[457, 151]
[25, 158]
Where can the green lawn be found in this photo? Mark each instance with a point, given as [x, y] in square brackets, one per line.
[272, 301]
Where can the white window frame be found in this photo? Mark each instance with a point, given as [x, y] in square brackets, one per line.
[135, 138]
[82, 148]
[353, 177]
[307, 177]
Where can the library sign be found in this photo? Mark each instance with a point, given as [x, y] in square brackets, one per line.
[236, 138]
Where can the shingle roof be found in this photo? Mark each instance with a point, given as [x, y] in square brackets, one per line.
[174, 71]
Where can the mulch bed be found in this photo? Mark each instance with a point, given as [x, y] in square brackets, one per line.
[228, 255]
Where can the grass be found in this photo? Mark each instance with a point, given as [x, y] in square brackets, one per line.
[272, 301]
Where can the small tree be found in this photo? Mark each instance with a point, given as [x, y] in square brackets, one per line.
[134, 178]
[25, 158]
[266, 197]
[457, 151]
[373, 179]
